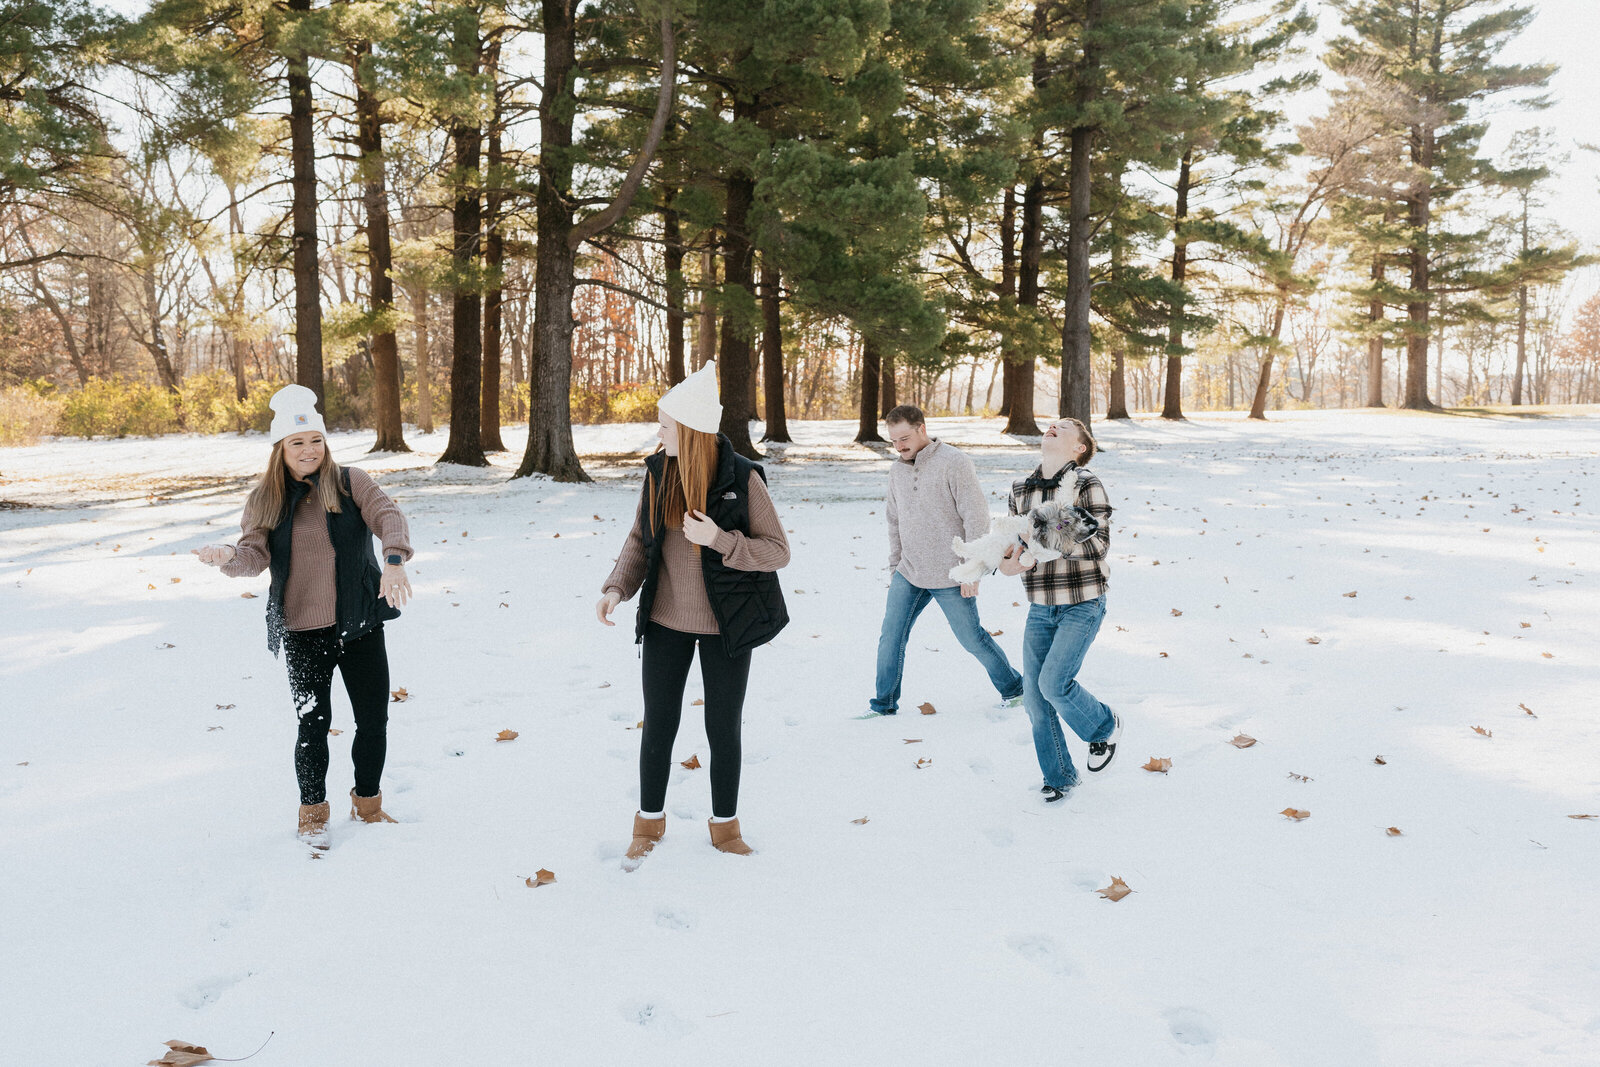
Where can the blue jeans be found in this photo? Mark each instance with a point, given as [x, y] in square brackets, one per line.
[906, 602]
[1053, 646]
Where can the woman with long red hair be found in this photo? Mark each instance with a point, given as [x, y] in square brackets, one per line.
[327, 610]
[705, 543]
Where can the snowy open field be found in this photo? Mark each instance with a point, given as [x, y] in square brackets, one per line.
[153, 889]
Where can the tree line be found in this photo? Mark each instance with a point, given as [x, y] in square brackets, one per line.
[843, 198]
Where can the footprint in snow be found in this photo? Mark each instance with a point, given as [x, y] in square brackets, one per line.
[1193, 1030]
[981, 765]
[210, 990]
[1088, 880]
[999, 836]
[672, 919]
[791, 720]
[657, 1019]
[1042, 950]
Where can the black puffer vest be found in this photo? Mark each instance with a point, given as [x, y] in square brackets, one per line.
[355, 568]
[748, 604]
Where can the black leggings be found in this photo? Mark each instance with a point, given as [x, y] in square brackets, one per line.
[667, 654]
[311, 656]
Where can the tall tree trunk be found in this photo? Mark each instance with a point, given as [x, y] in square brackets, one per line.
[672, 254]
[871, 369]
[705, 341]
[494, 255]
[1008, 285]
[380, 286]
[1021, 371]
[733, 364]
[1375, 313]
[550, 447]
[1419, 216]
[1258, 403]
[1117, 390]
[465, 445]
[68, 336]
[1076, 399]
[1172, 400]
[888, 396]
[157, 345]
[303, 185]
[1522, 346]
[772, 375]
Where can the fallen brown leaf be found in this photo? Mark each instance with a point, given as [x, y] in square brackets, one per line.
[1299, 777]
[1176, 613]
[1116, 890]
[1569, 816]
[1351, 594]
[1526, 625]
[692, 763]
[1527, 709]
[540, 877]
[927, 709]
[1547, 655]
[696, 703]
[1295, 813]
[1380, 761]
[921, 763]
[399, 696]
[605, 685]
[225, 707]
[181, 1054]
[1313, 640]
[174, 581]
[247, 596]
[1163, 655]
[334, 733]
[150, 585]
[1242, 741]
[1159, 764]
[996, 633]
[861, 821]
[1481, 730]
[506, 735]
[1393, 831]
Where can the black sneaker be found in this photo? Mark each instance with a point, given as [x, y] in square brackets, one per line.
[1101, 752]
[1052, 794]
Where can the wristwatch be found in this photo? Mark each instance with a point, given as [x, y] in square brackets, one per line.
[393, 559]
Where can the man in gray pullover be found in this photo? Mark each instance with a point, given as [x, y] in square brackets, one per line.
[934, 497]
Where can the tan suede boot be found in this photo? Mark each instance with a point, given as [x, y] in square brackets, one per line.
[368, 809]
[314, 825]
[646, 832]
[725, 836]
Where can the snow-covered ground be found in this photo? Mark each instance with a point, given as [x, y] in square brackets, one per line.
[1342, 586]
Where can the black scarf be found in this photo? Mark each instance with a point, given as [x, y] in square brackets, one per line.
[1037, 481]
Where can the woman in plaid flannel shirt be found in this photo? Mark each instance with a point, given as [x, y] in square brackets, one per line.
[1067, 602]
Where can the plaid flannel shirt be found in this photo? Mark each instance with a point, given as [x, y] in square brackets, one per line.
[1086, 572]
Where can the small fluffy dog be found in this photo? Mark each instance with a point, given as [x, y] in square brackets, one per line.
[1046, 533]
[980, 557]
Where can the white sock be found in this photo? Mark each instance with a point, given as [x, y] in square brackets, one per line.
[728, 819]
[653, 814]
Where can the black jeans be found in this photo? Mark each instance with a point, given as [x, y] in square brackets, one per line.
[311, 656]
[667, 654]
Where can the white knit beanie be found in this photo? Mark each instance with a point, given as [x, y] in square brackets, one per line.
[693, 402]
[294, 410]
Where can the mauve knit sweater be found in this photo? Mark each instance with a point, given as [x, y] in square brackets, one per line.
[681, 602]
[933, 499]
[309, 596]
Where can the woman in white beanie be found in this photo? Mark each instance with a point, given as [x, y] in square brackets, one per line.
[328, 608]
[704, 547]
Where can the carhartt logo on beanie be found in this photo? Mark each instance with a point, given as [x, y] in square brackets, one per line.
[693, 402]
[294, 410]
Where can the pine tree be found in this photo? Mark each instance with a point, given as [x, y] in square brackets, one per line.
[1438, 58]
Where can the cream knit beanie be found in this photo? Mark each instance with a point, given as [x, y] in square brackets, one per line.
[693, 402]
[294, 410]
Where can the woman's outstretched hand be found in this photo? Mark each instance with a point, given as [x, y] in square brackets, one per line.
[213, 555]
[394, 586]
[699, 529]
[607, 605]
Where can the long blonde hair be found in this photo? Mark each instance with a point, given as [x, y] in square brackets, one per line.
[263, 508]
[686, 478]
